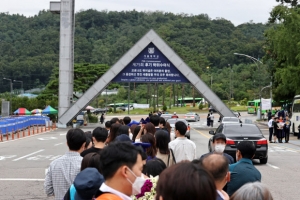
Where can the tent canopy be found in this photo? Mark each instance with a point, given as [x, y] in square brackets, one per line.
[49, 110]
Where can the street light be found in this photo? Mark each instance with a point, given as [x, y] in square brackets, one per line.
[22, 89]
[260, 106]
[11, 90]
[128, 95]
[254, 60]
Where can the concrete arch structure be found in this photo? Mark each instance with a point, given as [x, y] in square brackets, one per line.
[150, 38]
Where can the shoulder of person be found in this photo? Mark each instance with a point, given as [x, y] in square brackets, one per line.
[108, 196]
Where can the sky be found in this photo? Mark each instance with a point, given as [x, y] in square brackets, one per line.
[236, 11]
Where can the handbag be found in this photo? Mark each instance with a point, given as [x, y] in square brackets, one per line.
[171, 153]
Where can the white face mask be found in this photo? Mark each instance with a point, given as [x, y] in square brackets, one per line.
[137, 184]
[219, 148]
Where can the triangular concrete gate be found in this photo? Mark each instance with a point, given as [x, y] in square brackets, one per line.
[150, 38]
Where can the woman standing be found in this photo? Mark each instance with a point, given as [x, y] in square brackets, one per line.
[150, 151]
[162, 145]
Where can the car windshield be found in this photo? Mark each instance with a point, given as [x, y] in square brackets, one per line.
[241, 130]
[230, 120]
[173, 121]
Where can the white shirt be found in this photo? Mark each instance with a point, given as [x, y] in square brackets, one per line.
[270, 123]
[221, 194]
[106, 188]
[183, 148]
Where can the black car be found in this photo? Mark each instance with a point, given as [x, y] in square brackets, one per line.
[235, 133]
[100, 110]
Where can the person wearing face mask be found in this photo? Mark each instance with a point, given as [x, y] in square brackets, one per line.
[219, 144]
[243, 171]
[122, 170]
[218, 166]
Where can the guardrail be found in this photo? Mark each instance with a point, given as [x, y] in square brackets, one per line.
[13, 124]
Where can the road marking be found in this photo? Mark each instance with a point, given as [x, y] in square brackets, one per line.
[28, 155]
[46, 171]
[21, 179]
[47, 138]
[24, 137]
[4, 157]
[273, 166]
[201, 133]
[58, 144]
[272, 144]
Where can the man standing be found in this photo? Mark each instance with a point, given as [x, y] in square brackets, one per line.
[212, 117]
[99, 137]
[219, 144]
[62, 171]
[269, 115]
[122, 165]
[217, 165]
[154, 119]
[286, 129]
[183, 148]
[243, 171]
[271, 128]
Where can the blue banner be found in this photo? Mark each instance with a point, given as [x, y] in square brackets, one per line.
[151, 65]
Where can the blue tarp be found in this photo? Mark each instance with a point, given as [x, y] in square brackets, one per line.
[10, 124]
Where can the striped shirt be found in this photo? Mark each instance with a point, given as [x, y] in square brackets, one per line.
[61, 174]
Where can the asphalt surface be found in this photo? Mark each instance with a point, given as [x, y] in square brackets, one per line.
[23, 162]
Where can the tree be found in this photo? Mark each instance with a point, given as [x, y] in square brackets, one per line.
[282, 49]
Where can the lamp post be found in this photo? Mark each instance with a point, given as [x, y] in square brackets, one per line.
[11, 90]
[22, 89]
[128, 95]
[252, 58]
[260, 106]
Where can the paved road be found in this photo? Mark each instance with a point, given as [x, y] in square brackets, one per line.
[23, 163]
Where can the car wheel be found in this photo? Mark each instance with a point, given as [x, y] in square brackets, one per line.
[263, 160]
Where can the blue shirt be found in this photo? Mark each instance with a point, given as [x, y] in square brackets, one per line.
[241, 173]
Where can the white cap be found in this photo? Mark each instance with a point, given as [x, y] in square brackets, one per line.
[174, 113]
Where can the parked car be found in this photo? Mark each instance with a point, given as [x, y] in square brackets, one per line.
[124, 108]
[173, 121]
[166, 116]
[236, 132]
[212, 109]
[230, 120]
[191, 116]
[99, 110]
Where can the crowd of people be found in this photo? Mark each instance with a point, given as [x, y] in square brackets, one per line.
[279, 127]
[143, 161]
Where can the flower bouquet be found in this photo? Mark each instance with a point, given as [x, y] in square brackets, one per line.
[148, 190]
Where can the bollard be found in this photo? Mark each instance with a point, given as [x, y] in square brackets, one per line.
[7, 136]
[23, 132]
[18, 133]
[33, 130]
[49, 127]
[1, 138]
[37, 129]
[12, 134]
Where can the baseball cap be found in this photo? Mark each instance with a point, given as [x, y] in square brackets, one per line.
[123, 138]
[87, 183]
[219, 136]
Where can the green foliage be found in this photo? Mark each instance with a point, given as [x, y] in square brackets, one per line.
[29, 50]
[282, 50]
[165, 108]
[92, 118]
[85, 75]
[200, 106]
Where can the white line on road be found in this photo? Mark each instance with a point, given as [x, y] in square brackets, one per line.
[25, 137]
[273, 166]
[58, 144]
[28, 155]
[21, 179]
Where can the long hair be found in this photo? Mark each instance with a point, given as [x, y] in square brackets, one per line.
[162, 141]
[149, 138]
